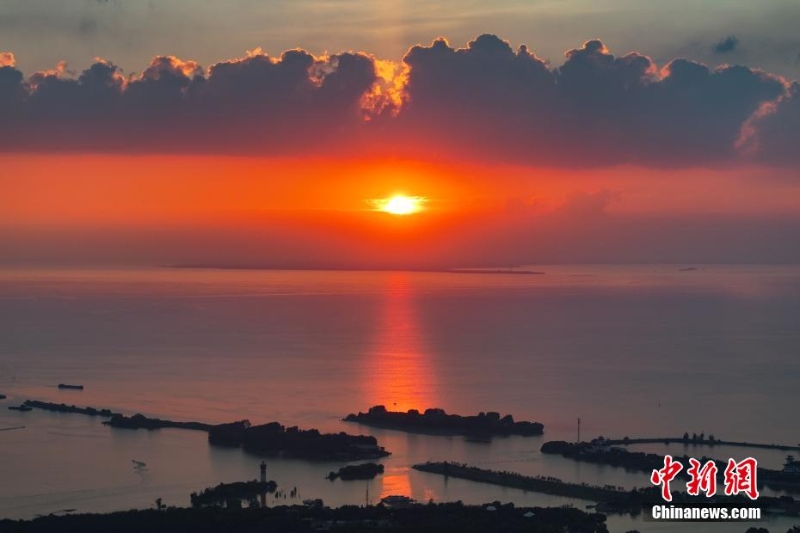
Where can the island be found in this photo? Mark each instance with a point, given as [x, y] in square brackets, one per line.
[276, 439]
[2, 396]
[353, 472]
[493, 271]
[437, 421]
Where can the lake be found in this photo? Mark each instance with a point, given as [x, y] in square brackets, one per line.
[633, 350]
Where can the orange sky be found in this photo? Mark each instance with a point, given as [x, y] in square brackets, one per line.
[177, 209]
[77, 190]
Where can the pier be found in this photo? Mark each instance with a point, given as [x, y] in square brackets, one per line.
[701, 442]
[64, 408]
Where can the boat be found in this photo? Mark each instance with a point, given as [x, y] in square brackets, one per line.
[21, 408]
[397, 501]
[72, 387]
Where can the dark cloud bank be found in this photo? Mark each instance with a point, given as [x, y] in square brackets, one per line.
[486, 101]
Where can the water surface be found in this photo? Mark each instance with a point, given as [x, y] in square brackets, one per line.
[644, 350]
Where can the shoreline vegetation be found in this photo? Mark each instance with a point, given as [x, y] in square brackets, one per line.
[231, 495]
[265, 439]
[429, 518]
[437, 421]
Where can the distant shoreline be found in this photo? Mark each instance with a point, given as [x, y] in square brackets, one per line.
[497, 270]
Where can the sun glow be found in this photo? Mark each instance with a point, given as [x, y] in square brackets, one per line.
[400, 205]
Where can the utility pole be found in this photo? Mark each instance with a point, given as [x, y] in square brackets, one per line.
[263, 468]
[579, 430]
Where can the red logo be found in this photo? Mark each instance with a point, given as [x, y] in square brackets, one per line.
[664, 476]
[739, 478]
[703, 479]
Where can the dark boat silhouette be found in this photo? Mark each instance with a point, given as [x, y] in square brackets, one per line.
[72, 387]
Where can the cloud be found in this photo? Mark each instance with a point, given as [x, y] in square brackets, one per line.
[726, 45]
[487, 102]
[7, 59]
[256, 104]
[582, 205]
[596, 109]
[772, 134]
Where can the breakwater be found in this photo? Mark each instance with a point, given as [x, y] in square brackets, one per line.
[265, 439]
[546, 485]
[700, 442]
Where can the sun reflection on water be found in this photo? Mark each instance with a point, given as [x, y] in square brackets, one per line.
[399, 371]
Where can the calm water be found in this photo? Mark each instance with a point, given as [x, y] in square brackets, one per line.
[632, 350]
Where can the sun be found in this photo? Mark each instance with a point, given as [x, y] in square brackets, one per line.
[401, 205]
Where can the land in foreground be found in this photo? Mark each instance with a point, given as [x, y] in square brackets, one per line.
[449, 517]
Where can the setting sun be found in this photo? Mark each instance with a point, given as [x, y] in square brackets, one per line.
[401, 205]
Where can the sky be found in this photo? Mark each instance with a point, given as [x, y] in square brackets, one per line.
[265, 133]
